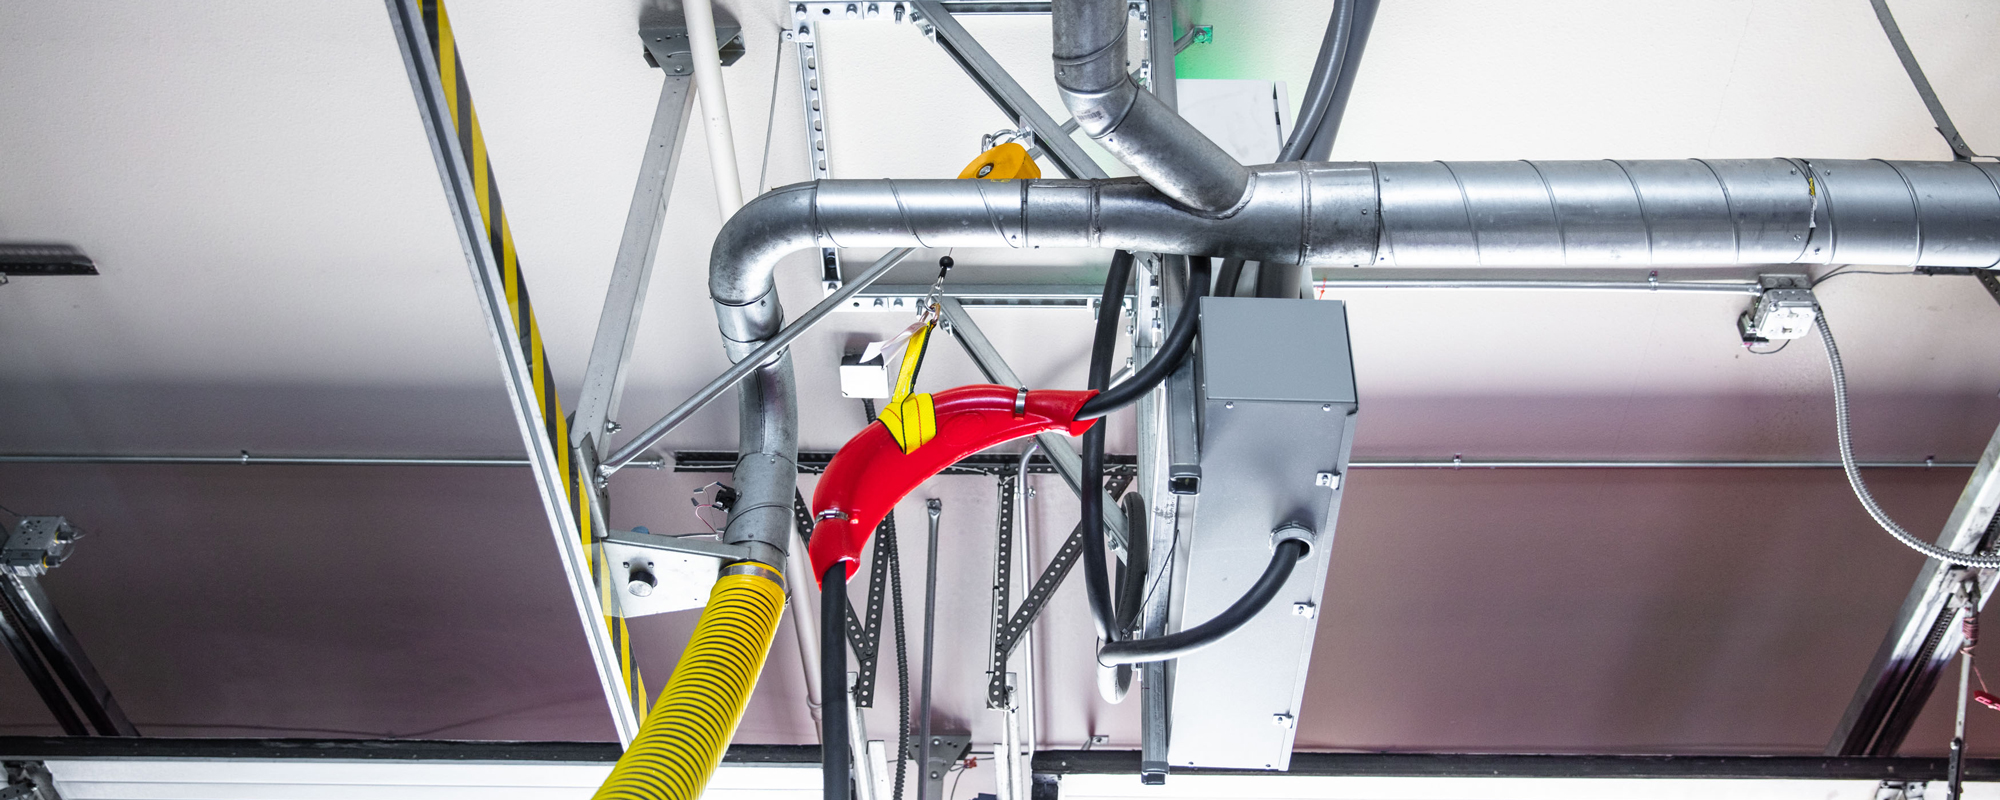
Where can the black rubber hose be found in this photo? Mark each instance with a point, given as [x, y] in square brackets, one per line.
[1228, 276]
[1321, 147]
[1175, 645]
[1132, 571]
[1096, 582]
[1324, 84]
[833, 681]
[1171, 353]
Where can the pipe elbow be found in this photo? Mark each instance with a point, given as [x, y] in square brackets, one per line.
[1135, 125]
[744, 261]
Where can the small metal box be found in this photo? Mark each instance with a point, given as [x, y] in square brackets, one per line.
[1278, 406]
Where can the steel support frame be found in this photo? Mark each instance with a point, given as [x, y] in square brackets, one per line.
[423, 34]
[44, 631]
[1161, 433]
[632, 271]
[1926, 633]
[935, 21]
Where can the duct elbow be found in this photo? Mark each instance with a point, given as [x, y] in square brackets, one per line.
[1134, 125]
[744, 261]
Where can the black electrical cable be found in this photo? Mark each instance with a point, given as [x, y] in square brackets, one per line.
[833, 681]
[1131, 577]
[1324, 84]
[1175, 645]
[1228, 276]
[1095, 580]
[1174, 350]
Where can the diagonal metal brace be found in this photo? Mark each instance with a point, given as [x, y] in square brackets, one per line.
[1959, 149]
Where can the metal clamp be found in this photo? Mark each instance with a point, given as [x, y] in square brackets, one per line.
[1292, 531]
[689, 545]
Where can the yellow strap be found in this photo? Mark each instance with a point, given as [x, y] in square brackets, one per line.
[912, 421]
[913, 354]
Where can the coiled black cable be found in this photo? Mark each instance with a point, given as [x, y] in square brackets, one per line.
[1174, 645]
[1096, 582]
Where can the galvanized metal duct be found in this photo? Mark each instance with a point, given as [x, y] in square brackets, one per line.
[1135, 125]
[1639, 214]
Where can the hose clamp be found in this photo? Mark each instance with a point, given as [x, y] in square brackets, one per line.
[1293, 531]
[1021, 401]
[831, 513]
[754, 568]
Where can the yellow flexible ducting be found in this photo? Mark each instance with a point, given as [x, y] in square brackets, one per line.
[690, 726]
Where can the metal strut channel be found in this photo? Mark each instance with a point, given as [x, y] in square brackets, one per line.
[1926, 633]
[805, 34]
[430, 54]
[1045, 587]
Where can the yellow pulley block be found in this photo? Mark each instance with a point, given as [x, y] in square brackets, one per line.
[1005, 162]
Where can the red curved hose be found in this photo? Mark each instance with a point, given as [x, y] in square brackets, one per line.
[871, 473]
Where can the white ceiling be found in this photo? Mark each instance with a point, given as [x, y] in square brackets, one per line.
[281, 275]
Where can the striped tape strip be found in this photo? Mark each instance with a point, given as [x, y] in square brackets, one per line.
[555, 424]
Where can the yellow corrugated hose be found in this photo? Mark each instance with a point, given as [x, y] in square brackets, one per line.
[682, 742]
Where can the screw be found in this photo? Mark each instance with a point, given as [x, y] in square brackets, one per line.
[1230, 404]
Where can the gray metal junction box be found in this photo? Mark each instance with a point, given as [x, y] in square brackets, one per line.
[1277, 402]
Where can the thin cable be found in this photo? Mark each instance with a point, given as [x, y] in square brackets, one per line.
[1161, 648]
[1755, 352]
[1854, 473]
[1844, 270]
[11, 512]
[771, 117]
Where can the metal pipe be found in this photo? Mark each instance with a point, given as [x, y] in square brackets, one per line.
[247, 459]
[1634, 214]
[1024, 685]
[748, 354]
[1474, 463]
[1339, 284]
[1136, 126]
[714, 104]
[935, 508]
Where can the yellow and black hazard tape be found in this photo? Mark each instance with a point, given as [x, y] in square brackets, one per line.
[576, 484]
